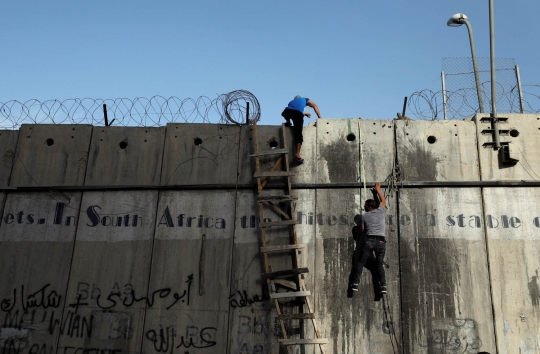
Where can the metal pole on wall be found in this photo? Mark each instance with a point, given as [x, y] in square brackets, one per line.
[518, 77]
[493, 82]
[475, 67]
[443, 93]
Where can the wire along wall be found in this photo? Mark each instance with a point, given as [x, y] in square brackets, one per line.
[461, 96]
[236, 107]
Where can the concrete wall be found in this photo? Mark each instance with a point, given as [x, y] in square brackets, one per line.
[96, 271]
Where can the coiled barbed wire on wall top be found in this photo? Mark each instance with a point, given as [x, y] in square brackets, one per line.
[428, 104]
[235, 107]
[229, 108]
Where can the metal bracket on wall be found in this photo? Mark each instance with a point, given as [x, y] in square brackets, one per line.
[492, 130]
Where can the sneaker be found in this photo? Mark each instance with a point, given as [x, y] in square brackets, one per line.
[378, 297]
[349, 292]
[288, 124]
[383, 289]
[299, 160]
[354, 287]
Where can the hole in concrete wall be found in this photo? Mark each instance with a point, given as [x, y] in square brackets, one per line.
[374, 133]
[123, 145]
[197, 141]
[351, 137]
[514, 133]
[273, 144]
[431, 139]
[455, 134]
[72, 137]
[49, 142]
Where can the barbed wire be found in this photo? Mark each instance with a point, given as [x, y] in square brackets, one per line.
[229, 108]
[461, 95]
[463, 103]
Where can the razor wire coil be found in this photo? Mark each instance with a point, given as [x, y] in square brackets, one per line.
[229, 108]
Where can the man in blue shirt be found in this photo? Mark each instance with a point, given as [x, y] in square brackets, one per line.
[295, 112]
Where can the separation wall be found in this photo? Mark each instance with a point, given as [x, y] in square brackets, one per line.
[152, 246]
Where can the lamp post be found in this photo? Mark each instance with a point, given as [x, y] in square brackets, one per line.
[456, 21]
[495, 124]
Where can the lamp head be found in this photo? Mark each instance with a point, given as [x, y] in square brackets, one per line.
[457, 20]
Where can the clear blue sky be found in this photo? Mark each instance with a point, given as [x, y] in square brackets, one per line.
[353, 58]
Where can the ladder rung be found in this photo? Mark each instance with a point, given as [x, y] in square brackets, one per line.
[279, 223]
[285, 273]
[303, 341]
[274, 174]
[290, 294]
[286, 283]
[271, 152]
[297, 316]
[276, 198]
[282, 248]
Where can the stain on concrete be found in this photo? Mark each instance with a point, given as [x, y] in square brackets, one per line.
[349, 318]
[341, 161]
[534, 290]
[431, 268]
[8, 158]
[419, 164]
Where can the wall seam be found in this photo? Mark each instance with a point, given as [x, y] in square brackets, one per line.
[70, 267]
[486, 243]
[401, 317]
[158, 197]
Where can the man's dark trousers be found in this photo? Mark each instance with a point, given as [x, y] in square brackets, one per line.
[378, 246]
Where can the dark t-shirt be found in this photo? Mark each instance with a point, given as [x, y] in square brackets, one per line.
[374, 222]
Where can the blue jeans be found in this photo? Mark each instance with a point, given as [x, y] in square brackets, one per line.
[372, 245]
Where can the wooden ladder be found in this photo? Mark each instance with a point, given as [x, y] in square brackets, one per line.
[297, 287]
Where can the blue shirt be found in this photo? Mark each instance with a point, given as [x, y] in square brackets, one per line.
[298, 104]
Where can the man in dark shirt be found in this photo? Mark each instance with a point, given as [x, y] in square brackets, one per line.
[374, 228]
[371, 264]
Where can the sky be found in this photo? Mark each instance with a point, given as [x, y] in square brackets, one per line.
[352, 58]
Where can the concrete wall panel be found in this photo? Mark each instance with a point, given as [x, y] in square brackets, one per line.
[437, 150]
[110, 270]
[446, 298]
[358, 324]
[377, 137]
[270, 135]
[513, 228]
[8, 146]
[200, 154]
[192, 257]
[51, 155]
[36, 245]
[338, 151]
[523, 146]
[125, 156]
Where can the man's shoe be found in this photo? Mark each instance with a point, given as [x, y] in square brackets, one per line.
[378, 297]
[383, 289]
[354, 287]
[349, 292]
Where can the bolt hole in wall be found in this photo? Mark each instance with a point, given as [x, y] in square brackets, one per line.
[197, 141]
[351, 137]
[431, 139]
[273, 144]
[49, 142]
[123, 145]
[514, 133]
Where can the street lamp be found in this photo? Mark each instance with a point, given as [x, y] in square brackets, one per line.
[456, 21]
